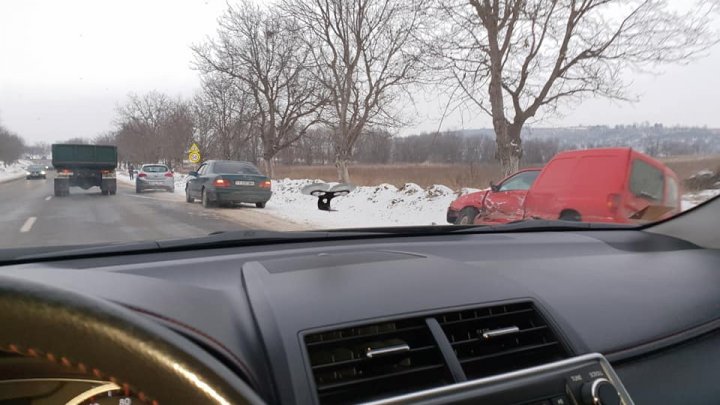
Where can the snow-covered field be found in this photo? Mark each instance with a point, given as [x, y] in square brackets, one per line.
[382, 205]
[13, 171]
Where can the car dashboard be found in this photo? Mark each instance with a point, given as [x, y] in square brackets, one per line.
[605, 316]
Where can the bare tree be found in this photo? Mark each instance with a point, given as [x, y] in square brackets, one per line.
[11, 146]
[230, 115]
[153, 127]
[515, 59]
[140, 121]
[366, 54]
[176, 132]
[264, 51]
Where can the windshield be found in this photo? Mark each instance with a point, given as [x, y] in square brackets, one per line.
[134, 121]
[155, 169]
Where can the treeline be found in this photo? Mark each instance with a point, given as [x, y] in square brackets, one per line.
[12, 146]
[381, 147]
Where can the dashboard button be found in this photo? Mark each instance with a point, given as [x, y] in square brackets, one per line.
[561, 400]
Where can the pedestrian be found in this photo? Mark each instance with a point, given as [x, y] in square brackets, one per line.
[131, 169]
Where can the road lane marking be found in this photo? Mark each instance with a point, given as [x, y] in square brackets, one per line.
[28, 224]
[48, 198]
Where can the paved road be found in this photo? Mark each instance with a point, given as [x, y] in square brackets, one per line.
[31, 216]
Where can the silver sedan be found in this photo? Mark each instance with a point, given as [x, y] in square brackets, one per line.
[154, 176]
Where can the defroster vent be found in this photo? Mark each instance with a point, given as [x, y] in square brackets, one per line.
[499, 339]
[374, 361]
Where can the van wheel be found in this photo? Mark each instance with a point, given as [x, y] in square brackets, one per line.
[187, 196]
[570, 215]
[260, 205]
[466, 216]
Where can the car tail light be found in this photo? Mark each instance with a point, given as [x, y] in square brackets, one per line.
[142, 175]
[221, 183]
[266, 184]
[168, 174]
[613, 201]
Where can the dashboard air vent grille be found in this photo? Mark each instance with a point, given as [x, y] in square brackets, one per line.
[499, 339]
[374, 361]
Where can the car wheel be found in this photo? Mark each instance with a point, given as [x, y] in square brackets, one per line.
[570, 215]
[138, 189]
[260, 205]
[205, 200]
[171, 189]
[466, 216]
[188, 198]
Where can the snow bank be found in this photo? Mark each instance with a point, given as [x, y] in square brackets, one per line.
[13, 171]
[690, 200]
[382, 205]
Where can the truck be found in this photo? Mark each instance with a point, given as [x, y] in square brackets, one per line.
[84, 166]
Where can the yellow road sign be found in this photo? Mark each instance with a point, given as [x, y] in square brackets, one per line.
[194, 157]
[194, 148]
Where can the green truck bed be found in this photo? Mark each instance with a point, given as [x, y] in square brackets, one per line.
[94, 157]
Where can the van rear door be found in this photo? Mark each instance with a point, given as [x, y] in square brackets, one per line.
[646, 186]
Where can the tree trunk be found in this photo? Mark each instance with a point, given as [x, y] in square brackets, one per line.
[269, 167]
[341, 163]
[509, 148]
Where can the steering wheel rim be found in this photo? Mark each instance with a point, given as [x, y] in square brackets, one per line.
[112, 343]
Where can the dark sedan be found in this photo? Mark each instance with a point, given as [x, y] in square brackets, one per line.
[218, 182]
[36, 172]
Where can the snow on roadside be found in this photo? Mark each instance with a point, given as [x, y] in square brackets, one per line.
[691, 200]
[381, 205]
[13, 171]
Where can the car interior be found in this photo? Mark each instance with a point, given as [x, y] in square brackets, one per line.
[528, 313]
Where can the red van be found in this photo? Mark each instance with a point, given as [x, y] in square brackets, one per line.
[616, 185]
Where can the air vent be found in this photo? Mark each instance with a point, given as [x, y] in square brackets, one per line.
[375, 361]
[499, 339]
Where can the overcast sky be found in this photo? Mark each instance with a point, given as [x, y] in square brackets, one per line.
[66, 65]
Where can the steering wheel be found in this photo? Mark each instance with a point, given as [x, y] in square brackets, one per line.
[111, 343]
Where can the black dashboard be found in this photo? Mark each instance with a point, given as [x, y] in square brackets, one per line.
[278, 315]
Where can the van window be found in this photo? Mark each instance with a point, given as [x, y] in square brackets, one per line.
[646, 181]
[672, 193]
[520, 181]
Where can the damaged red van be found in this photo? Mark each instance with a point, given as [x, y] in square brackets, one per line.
[617, 185]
